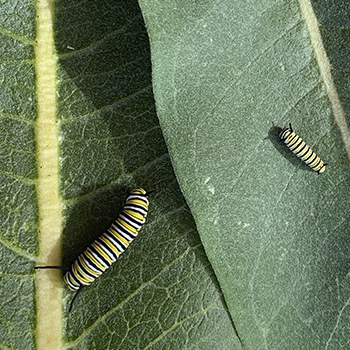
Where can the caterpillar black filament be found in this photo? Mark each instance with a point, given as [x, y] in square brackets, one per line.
[298, 146]
[106, 249]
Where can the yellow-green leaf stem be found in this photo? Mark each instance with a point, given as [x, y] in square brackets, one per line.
[48, 282]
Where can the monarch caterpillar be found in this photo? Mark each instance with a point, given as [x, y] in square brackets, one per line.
[106, 249]
[298, 146]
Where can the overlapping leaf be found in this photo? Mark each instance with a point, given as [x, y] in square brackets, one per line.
[162, 293]
[276, 234]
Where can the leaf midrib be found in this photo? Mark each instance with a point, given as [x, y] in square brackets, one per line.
[48, 282]
[325, 70]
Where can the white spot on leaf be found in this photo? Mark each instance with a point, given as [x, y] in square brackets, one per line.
[211, 189]
[207, 180]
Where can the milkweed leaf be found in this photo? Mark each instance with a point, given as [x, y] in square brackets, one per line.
[277, 236]
[79, 127]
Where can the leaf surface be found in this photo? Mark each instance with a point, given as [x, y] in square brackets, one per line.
[162, 293]
[79, 127]
[275, 233]
[18, 208]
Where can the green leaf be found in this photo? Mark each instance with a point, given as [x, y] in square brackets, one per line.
[18, 208]
[79, 126]
[275, 233]
[162, 293]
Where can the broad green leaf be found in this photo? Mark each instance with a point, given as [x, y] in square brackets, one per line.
[162, 293]
[276, 234]
[18, 209]
[79, 126]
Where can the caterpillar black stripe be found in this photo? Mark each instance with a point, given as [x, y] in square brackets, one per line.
[106, 249]
[298, 146]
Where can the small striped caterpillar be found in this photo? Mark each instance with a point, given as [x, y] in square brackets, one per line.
[298, 146]
[106, 249]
